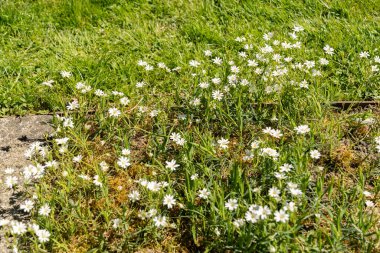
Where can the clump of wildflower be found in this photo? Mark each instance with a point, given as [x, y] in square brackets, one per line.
[270, 152]
[273, 132]
[176, 137]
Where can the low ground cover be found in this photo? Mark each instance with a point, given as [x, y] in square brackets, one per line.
[198, 142]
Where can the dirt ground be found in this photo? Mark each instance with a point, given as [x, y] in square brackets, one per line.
[16, 134]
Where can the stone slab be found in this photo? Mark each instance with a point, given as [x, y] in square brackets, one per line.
[16, 134]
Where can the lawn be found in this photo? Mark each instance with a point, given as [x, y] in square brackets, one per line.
[196, 126]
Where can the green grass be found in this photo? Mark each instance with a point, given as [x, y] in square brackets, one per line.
[101, 42]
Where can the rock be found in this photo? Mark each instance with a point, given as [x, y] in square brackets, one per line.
[16, 134]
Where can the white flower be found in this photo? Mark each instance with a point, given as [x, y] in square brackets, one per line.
[204, 85]
[116, 223]
[364, 54]
[44, 210]
[273, 132]
[104, 166]
[217, 95]
[302, 129]
[84, 177]
[207, 53]
[323, 61]
[268, 36]
[4, 222]
[259, 212]
[117, 93]
[27, 205]
[369, 203]
[154, 113]
[11, 181]
[169, 201]
[73, 105]
[243, 54]
[315, 154]
[48, 83]
[18, 228]
[298, 28]
[62, 141]
[140, 84]
[291, 207]
[65, 74]
[77, 159]
[217, 61]
[176, 137]
[328, 50]
[367, 193]
[304, 84]
[255, 144]
[281, 216]
[266, 49]
[286, 168]
[195, 102]
[223, 143]
[238, 223]
[274, 192]
[125, 151]
[240, 39]
[231, 204]
[216, 80]
[252, 217]
[235, 69]
[172, 165]
[96, 181]
[295, 191]
[142, 63]
[43, 235]
[114, 112]
[194, 63]
[9, 171]
[134, 196]
[160, 221]
[270, 152]
[154, 186]
[123, 162]
[204, 193]
[149, 67]
[124, 100]
[194, 176]
[100, 93]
